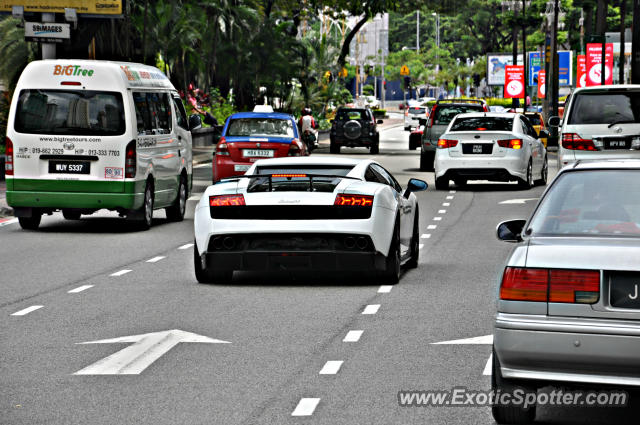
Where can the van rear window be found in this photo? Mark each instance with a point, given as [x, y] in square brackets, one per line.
[70, 112]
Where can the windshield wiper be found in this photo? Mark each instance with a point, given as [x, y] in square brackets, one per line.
[622, 122]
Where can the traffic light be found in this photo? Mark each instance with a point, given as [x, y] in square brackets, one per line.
[476, 80]
[407, 83]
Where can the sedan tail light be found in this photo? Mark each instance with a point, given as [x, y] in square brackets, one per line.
[511, 143]
[354, 200]
[446, 143]
[550, 285]
[226, 200]
[574, 142]
[294, 148]
[222, 148]
[8, 166]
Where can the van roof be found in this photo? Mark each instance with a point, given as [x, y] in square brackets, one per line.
[91, 75]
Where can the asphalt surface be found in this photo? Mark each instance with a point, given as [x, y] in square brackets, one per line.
[281, 329]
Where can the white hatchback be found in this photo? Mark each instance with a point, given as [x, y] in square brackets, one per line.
[490, 146]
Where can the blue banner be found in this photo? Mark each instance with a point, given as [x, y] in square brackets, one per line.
[565, 66]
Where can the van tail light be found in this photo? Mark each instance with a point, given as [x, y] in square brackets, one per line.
[130, 160]
[519, 284]
[294, 148]
[8, 166]
[446, 143]
[545, 285]
[573, 141]
[222, 149]
[510, 143]
[574, 286]
[226, 200]
[354, 200]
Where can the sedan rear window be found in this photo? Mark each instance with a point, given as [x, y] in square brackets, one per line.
[445, 113]
[591, 203]
[482, 124]
[416, 111]
[260, 127]
[606, 107]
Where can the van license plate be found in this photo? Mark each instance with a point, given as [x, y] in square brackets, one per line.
[69, 167]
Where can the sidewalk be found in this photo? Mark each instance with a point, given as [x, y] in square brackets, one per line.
[4, 208]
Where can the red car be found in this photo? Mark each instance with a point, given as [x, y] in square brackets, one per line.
[250, 136]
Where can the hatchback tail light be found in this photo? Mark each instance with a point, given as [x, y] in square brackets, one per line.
[130, 160]
[222, 149]
[226, 200]
[446, 143]
[354, 200]
[8, 166]
[550, 285]
[573, 141]
[511, 143]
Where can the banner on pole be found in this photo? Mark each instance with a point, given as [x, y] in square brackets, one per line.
[542, 84]
[582, 71]
[514, 81]
[594, 64]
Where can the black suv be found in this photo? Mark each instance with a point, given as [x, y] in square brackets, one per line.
[355, 127]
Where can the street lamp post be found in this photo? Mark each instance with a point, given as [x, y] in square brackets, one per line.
[437, 38]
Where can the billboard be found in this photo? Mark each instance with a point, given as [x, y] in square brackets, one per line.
[89, 7]
[496, 66]
[565, 67]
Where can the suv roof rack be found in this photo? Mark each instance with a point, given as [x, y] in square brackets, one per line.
[480, 101]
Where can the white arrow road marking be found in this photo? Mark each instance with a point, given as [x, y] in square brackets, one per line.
[331, 367]
[306, 407]
[27, 310]
[517, 201]
[147, 348]
[487, 339]
[187, 246]
[487, 367]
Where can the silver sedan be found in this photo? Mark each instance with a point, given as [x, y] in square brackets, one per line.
[568, 308]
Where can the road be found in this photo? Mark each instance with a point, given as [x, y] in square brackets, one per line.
[262, 341]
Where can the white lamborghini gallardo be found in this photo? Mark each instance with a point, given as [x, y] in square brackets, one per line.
[307, 213]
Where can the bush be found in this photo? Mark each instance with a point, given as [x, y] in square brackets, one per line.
[367, 90]
[379, 113]
[324, 125]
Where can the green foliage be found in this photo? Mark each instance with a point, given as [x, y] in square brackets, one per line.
[15, 53]
[367, 90]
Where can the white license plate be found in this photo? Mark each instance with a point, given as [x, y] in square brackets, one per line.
[261, 153]
[241, 167]
[477, 148]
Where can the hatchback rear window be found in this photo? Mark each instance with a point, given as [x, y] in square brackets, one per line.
[260, 127]
[416, 111]
[70, 112]
[445, 113]
[606, 107]
[482, 124]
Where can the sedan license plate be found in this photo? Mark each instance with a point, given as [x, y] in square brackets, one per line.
[477, 148]
[625, 290]
[260, 153]
[69, 167]
[616, 144]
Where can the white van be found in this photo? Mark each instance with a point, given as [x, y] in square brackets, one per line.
[86, 135]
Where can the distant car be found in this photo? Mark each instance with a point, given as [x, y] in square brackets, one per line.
[537, 121]
[249, 136]
[412, 116]
[568, 310]
[415, 138]
[372, 102]
[440, 116]
[601, 122]
[313, 214]
[490, 146]
[497, 108]
[353, 127]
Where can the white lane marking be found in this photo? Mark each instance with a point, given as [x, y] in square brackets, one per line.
[487, 367]
[371, 309]
[120, 273]
[8, 222]
[420, 246]
[195, 197]
[437, 218]
[452, 191]
[306, 407]
[476, 340]
[206, 164]
[27, 310]
[446, 204]
[331, 367]
[146, 349]
[353, 336]
[517, 201]
[156, 259]
[449, 197]
[442, 211]
[385, 289]
[79, 289]
[426, 235]
[187, 246]
[432, 226]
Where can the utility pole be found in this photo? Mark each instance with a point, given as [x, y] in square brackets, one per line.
[524, 50]
[48, 49]
[418, 32]
[552, 82]
[601, 27]
[635, 47]
[514, 101]
[623, 15]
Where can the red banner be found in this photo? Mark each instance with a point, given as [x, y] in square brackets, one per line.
[594, 64]
[542, 84]
[582, 71]
[514, 81]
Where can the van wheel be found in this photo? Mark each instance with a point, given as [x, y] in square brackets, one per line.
[176, 211]
[30, 223]
[204, 275]
[71, 215]
[143, 217]
[509, 414]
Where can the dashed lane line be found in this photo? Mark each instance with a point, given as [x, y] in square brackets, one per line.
[487, 367]
[452, 191]
[449, 197]
[446, 204]
[437, 218]
[27, 310]
[156, 259]
[371, 309]
[187, 246]
[385, 289]
[353, 336]
[120, 273]
[420, 246]
[331, 367]
[432, 226]
[306, 407]
[442, 211]
[80, 289]
[425, 235]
